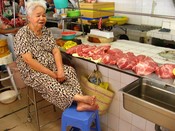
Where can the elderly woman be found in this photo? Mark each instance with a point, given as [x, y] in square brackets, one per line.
[40, 63]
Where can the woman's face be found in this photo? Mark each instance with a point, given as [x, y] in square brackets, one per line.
[37, 18]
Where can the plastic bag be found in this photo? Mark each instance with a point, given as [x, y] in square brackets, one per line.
[92, 85]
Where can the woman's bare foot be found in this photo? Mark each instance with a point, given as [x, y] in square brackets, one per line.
[91, 100]
[86, 107]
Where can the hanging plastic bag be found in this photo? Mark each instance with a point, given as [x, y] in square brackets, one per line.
[95, 77]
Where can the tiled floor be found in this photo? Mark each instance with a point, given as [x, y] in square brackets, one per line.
[13, 116]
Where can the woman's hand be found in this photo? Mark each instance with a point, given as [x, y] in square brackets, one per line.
[60, 76]
[15, 30]
[53, 75]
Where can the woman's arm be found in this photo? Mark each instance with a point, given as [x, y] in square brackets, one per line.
[34, 64]
[58, 60]
[14, 31]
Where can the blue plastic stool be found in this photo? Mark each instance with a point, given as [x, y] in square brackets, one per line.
[82, 120]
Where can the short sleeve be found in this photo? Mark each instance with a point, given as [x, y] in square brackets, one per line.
[51, 44]
[21, 42]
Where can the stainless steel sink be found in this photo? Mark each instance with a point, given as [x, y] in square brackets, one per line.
[152, 100]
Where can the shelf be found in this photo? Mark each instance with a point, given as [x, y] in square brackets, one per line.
[55, 20]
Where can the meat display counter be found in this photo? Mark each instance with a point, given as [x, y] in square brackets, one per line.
[144, 49]
[135, 97]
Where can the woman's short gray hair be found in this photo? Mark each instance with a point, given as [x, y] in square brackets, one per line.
[32, 4]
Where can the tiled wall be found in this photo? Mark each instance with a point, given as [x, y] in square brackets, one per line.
[158, 7]
[117, 118]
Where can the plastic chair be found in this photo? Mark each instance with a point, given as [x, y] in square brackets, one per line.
[82, 120]
[6, 60]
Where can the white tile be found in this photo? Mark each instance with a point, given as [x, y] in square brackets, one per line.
[151, 21]
[158, 35]
[172, 25]
[104, 127]
[105, 79]
[113, 122]
[81, 64]
[115, 85]
[173, 37]
[166, 24]
[124, 126]
[104, 71]
[124, 114]
[150, 126]
[104, 119]
[116, 97]
[136, 129]
[115, 75]
[158, 22]
[139, 122]
[109, 129]
[127, 79]
[114, 108]
[137, 20]
[91, 66]
[120, 95]
[167, 36]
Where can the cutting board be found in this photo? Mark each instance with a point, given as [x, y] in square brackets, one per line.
[99, 39]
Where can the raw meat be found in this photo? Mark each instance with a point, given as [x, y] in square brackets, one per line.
[75, 49]
[111, 57]
[127, 61]
[145, 65]
[88, 51]
[165, 71]
[17, 21]
[99, 52]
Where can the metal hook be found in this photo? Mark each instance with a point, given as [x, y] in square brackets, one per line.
[96, 67]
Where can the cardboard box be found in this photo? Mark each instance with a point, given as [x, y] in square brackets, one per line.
[89, 9]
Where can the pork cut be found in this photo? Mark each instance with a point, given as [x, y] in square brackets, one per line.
[75, 49]
[111, 57]
[165, 71]
[127, 61]
[88, 51]
[145, 65]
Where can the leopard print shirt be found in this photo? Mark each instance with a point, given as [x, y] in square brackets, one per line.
[60, 94]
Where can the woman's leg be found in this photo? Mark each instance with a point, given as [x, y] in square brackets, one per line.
[85, 103]
[72, 79]
[62, 95]
[86, 107]
[85, 99]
